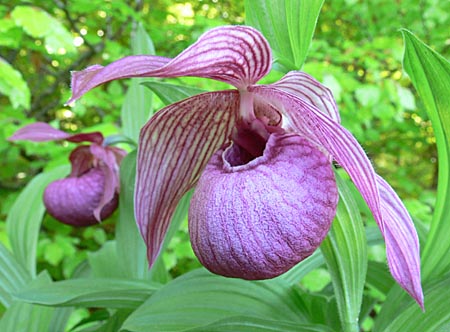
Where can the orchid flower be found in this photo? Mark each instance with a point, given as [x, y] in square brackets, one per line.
[260, 158]
[90, 193]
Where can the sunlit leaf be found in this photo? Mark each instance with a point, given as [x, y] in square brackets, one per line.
[199, 298]
[430, 74]
[14, 86]
[39, 24]
[25, 217]
[345, 252]
[288, 25]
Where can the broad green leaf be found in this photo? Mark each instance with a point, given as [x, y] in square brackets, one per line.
[430, 74]
[288, 25]
[13, 276]
[14, 86]
[378, 276]
[26, 317]
[39, 24]
[199, 298]
[90, 292]
[171, 93]
[25, 217]
[345, 252]
[137, 106]
[131, 250]
[130, 245]
[251, 324]
[294, 275]
[104, 263]
[410, 318]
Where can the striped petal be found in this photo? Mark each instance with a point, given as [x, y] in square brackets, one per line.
[174, 147]
[312, 91]
[237, 55]
[43, 132]
[402, 244]
[389, 213]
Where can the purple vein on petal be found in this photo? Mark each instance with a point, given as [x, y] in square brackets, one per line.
[174, 147]
[309, 89]
[237, 55]
[402, 243]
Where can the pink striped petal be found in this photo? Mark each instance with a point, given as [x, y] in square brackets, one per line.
[402, 244]
[388, 211]
[43, 132]
[38, 132]
[130, 66]
[312, 91]
[174, 147]
[237, 55]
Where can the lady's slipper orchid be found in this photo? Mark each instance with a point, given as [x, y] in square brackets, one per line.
[90, 193]
[261, 157]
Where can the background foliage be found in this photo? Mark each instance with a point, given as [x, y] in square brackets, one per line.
[357, 51]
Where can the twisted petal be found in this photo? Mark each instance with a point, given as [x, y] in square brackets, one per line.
[237, 55]
[388, 211]
[174, 147]
[43, 132]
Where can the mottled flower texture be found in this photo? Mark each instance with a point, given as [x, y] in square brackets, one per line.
[90, 193]
[260, 158]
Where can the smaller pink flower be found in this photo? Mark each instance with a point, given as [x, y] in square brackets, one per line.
[90, 193]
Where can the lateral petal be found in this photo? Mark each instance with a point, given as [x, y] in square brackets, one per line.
[402, 243]
[174, 147]
[312, 91]
[389, 212]
[237, 55]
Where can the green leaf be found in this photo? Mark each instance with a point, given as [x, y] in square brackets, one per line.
[410, 318]
[345, 252]
[294, 275]
[14, 86]
[39, 24]
[171, 93]
[288, 25]
[378, 276]
[137, 106]
[25, 217]
[251, 324]
[13, 276]
[430, 74]
[25, 317]
[90, 292]
[199, 298]
[131, 251]
[100, 262]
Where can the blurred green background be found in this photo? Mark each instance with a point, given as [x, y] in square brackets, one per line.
[356, 51]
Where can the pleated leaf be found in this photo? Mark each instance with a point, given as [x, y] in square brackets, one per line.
[430, 74]
[25, 217]
[171, 93]
[410, 317]
[199, 298]
[130, 245]
[288, 25]
[251, 324]
[12, 276]
[137, 105]
[92, 292]
[26, 317]
[345, 252]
